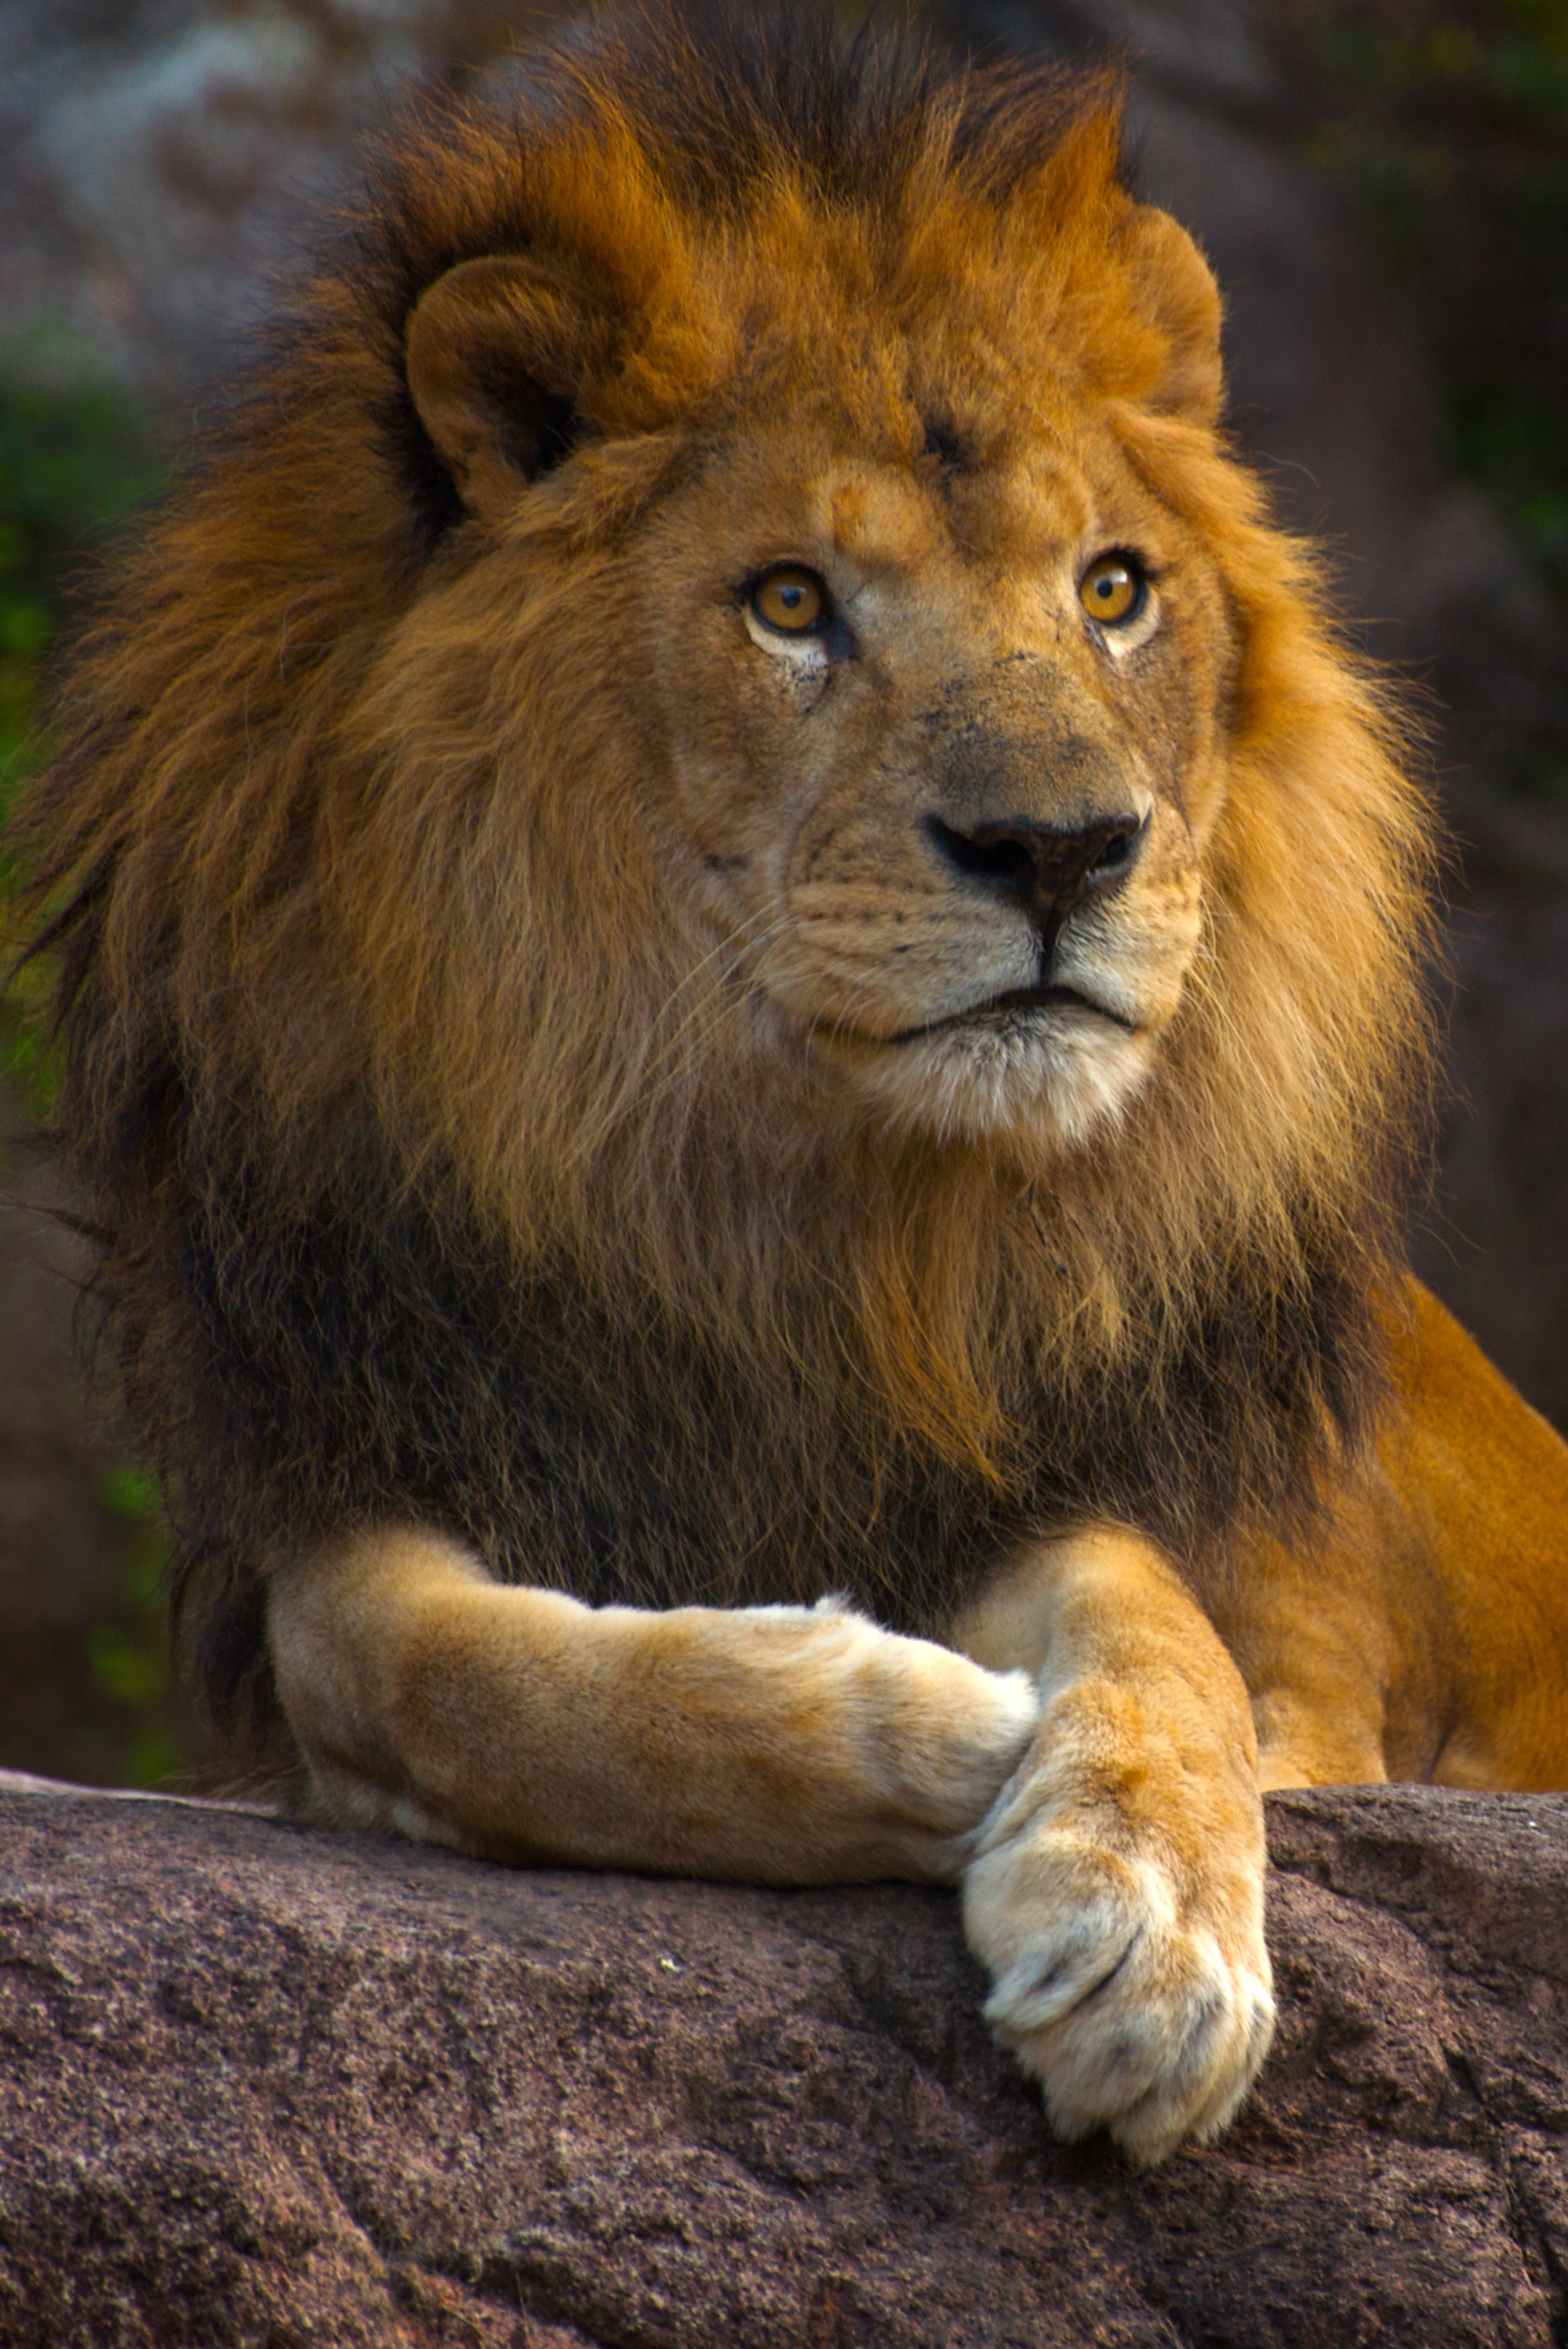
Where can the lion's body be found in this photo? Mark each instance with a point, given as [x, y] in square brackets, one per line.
[571, 1077]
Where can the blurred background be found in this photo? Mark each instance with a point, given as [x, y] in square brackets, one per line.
[1382, 186]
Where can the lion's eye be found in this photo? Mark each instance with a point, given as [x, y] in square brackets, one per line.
[791, 600]
[1111, 590]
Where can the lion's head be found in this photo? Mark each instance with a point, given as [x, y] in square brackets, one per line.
[928, 683]
[728, 711]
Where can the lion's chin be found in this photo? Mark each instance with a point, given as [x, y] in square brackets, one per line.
[1063, 1075]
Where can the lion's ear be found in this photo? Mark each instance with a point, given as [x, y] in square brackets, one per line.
[1178, 295]
[497, 353]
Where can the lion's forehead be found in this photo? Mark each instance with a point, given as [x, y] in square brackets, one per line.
[958, 315]
[957, 282]
[922, 488]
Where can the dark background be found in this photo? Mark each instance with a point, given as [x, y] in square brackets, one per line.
[1382, 186]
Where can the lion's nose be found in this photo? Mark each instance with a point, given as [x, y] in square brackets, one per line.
[1048, 871]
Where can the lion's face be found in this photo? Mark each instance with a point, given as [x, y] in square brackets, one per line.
[948, 821]
[932, 683]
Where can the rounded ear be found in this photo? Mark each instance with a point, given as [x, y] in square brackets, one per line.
[496, 352]
[1177, 294]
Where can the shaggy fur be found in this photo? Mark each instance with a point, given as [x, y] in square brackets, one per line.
[434, 1178]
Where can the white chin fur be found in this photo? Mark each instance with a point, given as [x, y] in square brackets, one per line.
[1071, 1070]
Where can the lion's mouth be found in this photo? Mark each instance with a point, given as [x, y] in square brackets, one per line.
[997, 1007]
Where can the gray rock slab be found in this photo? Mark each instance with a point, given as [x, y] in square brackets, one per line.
[260, 2085]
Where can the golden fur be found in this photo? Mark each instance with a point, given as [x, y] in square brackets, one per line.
[549, 1052]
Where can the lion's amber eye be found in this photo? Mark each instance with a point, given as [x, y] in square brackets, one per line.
[791, 600]
[1111, 589]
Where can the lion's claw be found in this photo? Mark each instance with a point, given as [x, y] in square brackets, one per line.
[1135, 2011]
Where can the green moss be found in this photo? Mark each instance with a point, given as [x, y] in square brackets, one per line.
[1517, 449]
[1508, 60]
[74, 457]
[128, 1651]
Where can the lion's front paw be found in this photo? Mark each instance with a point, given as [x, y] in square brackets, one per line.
[1140, 2005]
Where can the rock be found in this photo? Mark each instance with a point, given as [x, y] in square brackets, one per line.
[265, 2085]
[1493, 1241]
[160, 158]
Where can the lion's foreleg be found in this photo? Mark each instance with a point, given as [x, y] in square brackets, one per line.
[1116, 1890]
[788, 1744]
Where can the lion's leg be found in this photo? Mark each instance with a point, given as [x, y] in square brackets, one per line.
[1116, 1890]
[1314, 1655]
[1422, 1632]
[791, 1744]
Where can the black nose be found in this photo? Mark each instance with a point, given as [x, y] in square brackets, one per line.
[1049, 872]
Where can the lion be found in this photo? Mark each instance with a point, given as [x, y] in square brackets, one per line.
[746, 977]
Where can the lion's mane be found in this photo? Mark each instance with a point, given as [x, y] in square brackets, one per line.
[424, 1185]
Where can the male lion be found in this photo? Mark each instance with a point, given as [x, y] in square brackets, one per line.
[734, 931]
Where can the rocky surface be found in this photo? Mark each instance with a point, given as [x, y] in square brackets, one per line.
[262, 2086]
